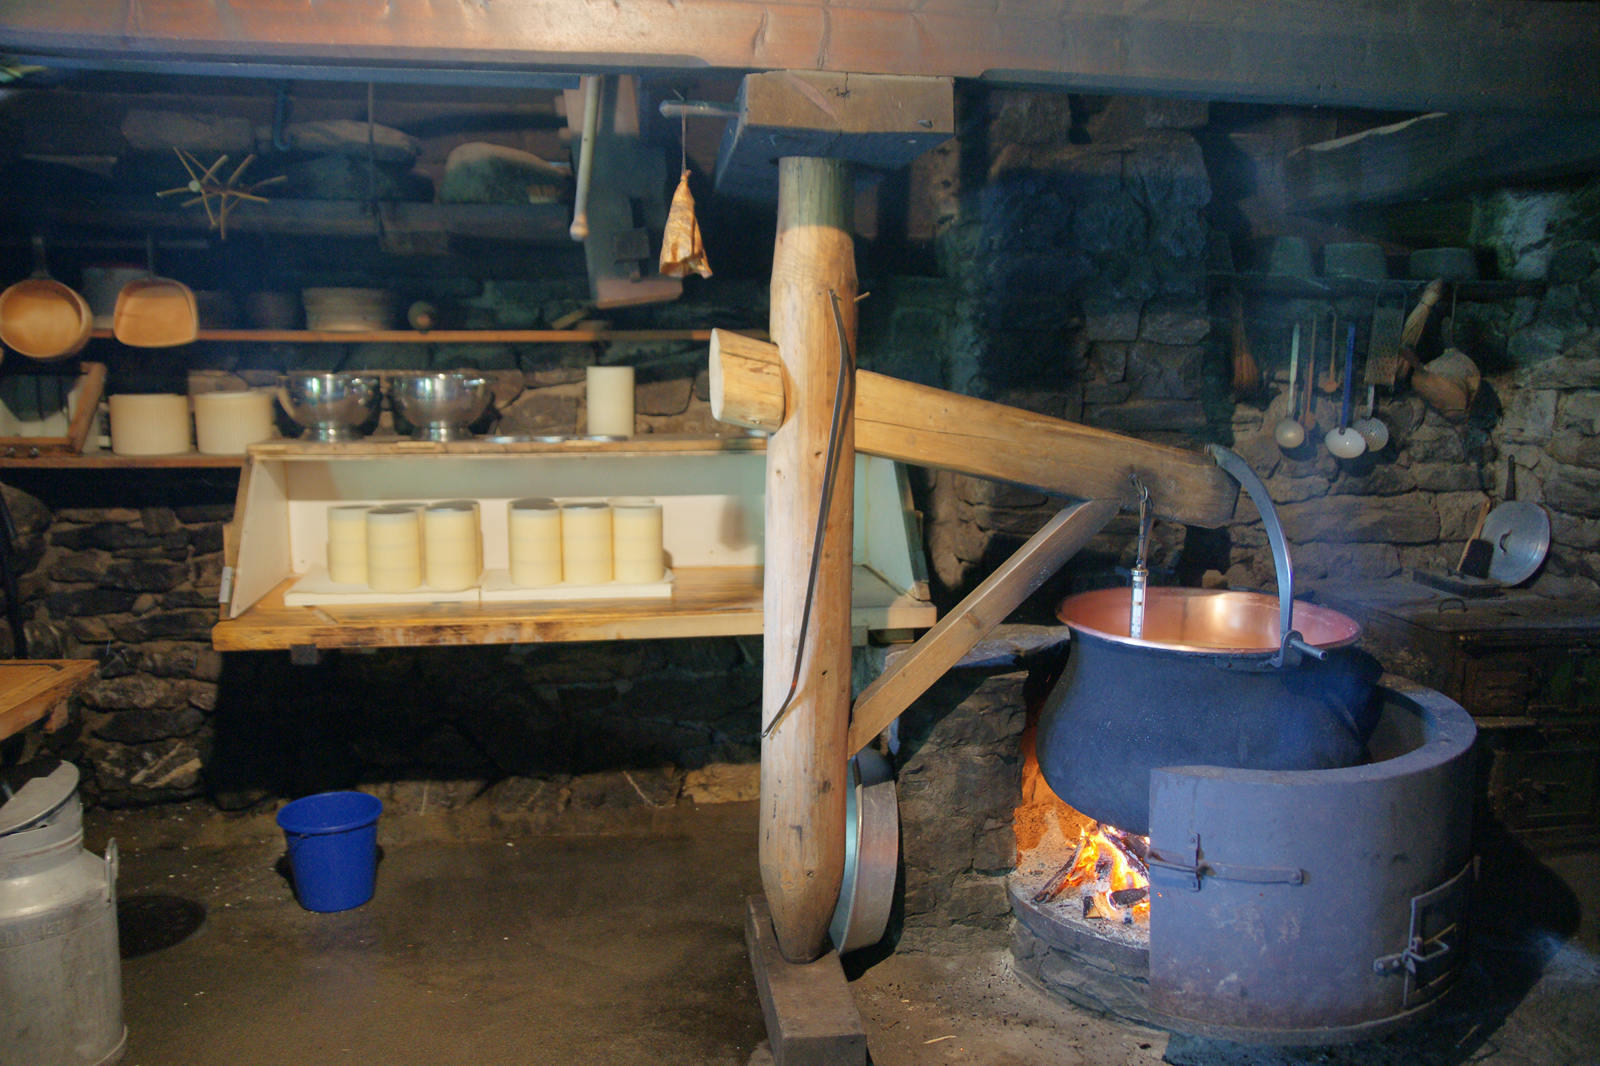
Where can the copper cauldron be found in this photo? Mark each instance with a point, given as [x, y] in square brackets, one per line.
[1198, 689]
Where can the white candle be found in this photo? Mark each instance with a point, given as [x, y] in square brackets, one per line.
[636, 540]
[226, 423]
[610, 401]
[149, 424]
[394, 548]
[452, 550]
[534, 542]
[586, 543]
[347, 544]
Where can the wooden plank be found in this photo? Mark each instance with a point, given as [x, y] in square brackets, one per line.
[706, 602]
[112, 461]
[525, 223]
[1417, 55]
[30, 689]
[811, 1018]
[371, 447]
[1436, 154]
[453, 336]
[806, 653]
[972, 619]
[925, 426]
[880, 121]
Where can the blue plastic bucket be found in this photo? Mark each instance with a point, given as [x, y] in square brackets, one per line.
[333, 848]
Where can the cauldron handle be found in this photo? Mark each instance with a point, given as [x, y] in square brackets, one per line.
[1290, 642]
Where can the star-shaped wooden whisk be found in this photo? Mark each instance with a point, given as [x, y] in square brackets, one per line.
[227, 193]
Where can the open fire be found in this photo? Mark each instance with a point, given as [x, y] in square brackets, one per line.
[1112, 868]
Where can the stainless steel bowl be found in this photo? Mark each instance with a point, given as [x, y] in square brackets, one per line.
[440, 406]
[332, 407]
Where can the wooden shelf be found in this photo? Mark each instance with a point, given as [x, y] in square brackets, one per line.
[452, 336]
[32, 688]
[706, 601]
[1324, 288]
[536, 223]
[110, 461]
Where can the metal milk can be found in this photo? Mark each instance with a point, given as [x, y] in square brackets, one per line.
[60, 968]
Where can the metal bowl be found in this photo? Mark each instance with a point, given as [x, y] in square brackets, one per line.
[332, 407]
[440, 406]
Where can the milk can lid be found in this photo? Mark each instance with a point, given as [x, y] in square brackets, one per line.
[38, 799]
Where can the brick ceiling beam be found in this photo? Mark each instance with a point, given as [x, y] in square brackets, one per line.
[1454, 55]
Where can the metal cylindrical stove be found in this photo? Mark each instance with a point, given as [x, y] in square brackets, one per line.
[60, 967]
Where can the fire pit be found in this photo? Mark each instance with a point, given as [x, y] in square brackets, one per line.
[1285, 907]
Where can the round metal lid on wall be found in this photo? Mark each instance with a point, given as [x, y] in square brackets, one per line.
[1520, 534]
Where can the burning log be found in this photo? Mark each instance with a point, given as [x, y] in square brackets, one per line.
[1059, 882]
[1135, 849]
[1127, 897]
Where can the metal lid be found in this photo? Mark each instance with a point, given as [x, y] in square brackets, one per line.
[38, 799]
[1520, 535]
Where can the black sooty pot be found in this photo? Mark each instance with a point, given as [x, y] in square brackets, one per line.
[1198, 688]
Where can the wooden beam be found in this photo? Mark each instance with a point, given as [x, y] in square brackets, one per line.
[1435, 154]
[1417, 55]
[984, 608]
[925, 426]
[811, 1017]
[880, 121]
[806, 667]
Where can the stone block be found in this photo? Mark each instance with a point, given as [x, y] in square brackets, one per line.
[192, 623]
[1447, 477]
[723, 783]
[166, 769]
[145, 575]
[1353, 562]
[669, 397]
[1528, 416]
[627, 789]
[1358, 519]
[1575, 490]
[979, 901]
[1458, 513]
[1580, 533]
[133, 692]
[96, 515]
[1148, 415]
[158, 520]
[108, 536]
[79, 567]
[90, 629]
[1164, 371]
[202, 695]
[1175, 322]
[1561, 373]
[1381, 479]
[1106, 320]
[1536, 343]
[538, 413]
[210, 512]
[74, 602]
[1574, 450]
[142, 727]
[207, 538]
[549, 376]
[1580, 413]
[1570, 263]
[1108, 361]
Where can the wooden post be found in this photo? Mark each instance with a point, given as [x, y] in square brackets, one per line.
[803, 761]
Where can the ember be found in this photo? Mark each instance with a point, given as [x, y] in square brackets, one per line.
[1114, 865]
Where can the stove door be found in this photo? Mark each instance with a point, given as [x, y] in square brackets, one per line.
[1310, 907]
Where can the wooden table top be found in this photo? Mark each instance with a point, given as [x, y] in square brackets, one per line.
[706, 601]
[32, 688]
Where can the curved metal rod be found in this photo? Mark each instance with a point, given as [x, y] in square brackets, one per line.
[1252, 484]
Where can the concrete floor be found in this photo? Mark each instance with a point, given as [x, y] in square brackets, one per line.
[486, 946]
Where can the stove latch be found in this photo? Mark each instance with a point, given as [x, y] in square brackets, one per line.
[1193, 867]
[1430, 954]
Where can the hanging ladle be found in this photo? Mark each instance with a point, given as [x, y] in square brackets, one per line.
[1343, 441]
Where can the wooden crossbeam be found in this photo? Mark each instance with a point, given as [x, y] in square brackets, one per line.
[925, 426]
[984, 608]
[1435, 154]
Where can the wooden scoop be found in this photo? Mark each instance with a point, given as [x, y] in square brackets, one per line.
[42, 318]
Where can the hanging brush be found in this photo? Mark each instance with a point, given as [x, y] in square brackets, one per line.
[1246, 374]
[1417, 321]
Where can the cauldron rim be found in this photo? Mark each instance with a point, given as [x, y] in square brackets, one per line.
[1093, 614]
